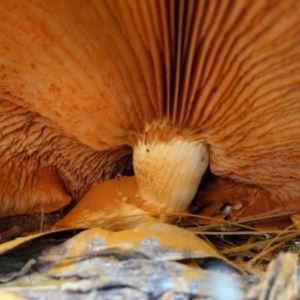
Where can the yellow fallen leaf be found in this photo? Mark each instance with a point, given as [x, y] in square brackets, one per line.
[155, 241]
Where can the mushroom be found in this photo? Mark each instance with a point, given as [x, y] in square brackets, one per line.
[182, 84]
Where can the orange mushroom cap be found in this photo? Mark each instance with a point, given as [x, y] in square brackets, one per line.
[174, 80]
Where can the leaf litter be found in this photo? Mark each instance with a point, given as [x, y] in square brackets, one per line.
[160, 261]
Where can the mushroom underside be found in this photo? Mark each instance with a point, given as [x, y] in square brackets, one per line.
[85, 85]
[43, 168]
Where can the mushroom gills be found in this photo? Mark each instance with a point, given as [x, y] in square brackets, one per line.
[76, 106]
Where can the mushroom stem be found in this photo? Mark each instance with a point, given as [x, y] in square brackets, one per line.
[168, 173]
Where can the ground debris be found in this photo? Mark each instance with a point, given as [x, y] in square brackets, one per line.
[96, 264]
[147, 278]
[5, 277]
[281, 280]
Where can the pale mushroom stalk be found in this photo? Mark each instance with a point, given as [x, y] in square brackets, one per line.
[168, 173]
[167, 176]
